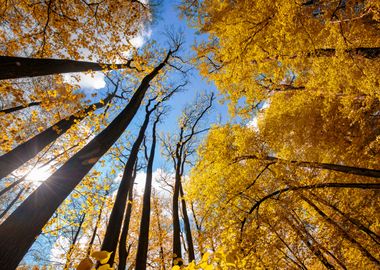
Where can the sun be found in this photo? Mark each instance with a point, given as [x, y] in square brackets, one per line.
[39, 174]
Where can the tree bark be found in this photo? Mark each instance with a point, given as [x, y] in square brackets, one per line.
[177, 251]
[6, 189]
[142, 248]
[114, 226]
[327, 166]
[17, 108]
[29, 149]
[20, 67]
[123, 251]
[189, 238]
[21, 229]
[6, 210]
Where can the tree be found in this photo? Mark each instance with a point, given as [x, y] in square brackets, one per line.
[123, 251]
[257, 49]
[142, 248]
[293, 217]
[71, 28]
[35, 211]
[178, 150]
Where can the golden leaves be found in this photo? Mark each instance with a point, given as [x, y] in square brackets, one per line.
[101, 256]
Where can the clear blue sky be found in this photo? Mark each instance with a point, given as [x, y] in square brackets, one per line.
[168, 17]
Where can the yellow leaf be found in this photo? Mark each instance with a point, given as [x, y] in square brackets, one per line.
[101, 256]
[105, 267]
[85, 264]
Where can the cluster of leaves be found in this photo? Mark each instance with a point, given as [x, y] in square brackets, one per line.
[101, 256]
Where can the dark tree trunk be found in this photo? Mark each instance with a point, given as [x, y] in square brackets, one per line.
[123, 251]
[20, 67]
[73, 243]
[189, 237]
[374, 236]
[343, 232]
[370, 53]
[6, 210]
[21, 229]
[177, 251]
[327, 166]
[29, 149]
[6, 189]
[308, 187]
[111, 237]
[17, 108]
[142, 248]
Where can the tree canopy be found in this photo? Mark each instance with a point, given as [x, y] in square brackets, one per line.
[248, 139]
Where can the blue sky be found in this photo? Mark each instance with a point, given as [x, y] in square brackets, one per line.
[168, 17]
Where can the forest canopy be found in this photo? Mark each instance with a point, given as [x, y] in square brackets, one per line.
[201, 134]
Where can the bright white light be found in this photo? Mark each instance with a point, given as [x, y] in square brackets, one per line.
[86, 81]
[38, 175]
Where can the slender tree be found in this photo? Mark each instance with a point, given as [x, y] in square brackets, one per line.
[142, 248]
[178, 153]
[19, 231]
[123, 251]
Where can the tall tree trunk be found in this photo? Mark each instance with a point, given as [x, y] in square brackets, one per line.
[189, 237]
[29, 149]
[17, 108]
[21, 229]
[343, 232]
[142, 248]
[15, 199]
[73, 243]
[19, 67]
[177, 251]
[327, 166]
[123, 251]
[111, 237]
